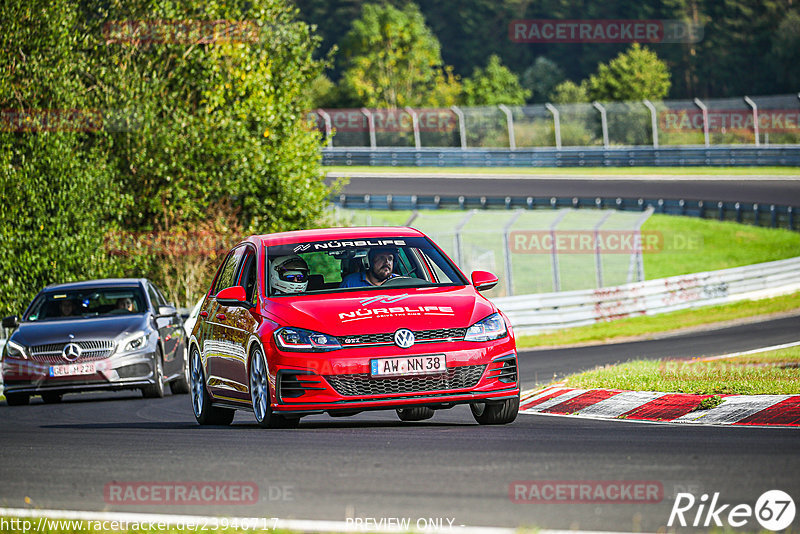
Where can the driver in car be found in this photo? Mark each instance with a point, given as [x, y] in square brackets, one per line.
[381, 265]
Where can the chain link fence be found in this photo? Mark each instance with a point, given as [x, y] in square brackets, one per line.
[757, 120]
[538, 251]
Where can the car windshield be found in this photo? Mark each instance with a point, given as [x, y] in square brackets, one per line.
[83, 303]
[358, 264]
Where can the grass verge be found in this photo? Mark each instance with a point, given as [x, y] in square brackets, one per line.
[665, 322]
[691, 245]
[588, 171]
[769, 373]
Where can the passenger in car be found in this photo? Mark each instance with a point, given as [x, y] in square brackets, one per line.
[381, 267]
[66, 307]
[288, 275]
[125, 304]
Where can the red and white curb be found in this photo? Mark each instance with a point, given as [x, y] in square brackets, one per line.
[762, 410]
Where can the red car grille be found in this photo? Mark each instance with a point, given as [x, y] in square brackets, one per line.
[420, 336]
[90, 350]
[359, 385]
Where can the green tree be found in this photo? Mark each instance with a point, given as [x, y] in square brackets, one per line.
[786, 49]
[495, 84]
[633, 75]
[58, 193]
[188, 124]
[541, 78]
[569, 92]
[392, 59]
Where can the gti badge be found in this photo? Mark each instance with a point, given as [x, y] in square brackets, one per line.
[72, 351]
[404, 338]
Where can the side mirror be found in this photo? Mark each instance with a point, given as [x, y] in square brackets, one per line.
[167, 311]
[483, 280]
[233, 296]
[12, 321]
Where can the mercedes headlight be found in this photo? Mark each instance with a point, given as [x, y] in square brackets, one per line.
[300, 340]
[134, 342]
[15, 350]
[493, 327]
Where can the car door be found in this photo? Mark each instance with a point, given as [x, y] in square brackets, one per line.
[168, 330]
[224, 350]
[239, 323]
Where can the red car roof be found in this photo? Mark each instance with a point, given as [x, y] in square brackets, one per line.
[305, 236]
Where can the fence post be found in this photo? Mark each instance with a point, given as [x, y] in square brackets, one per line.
[704, 109]
[554, 250]
[598, 261]
[556, 123]
[753, 105]
[507, 251]
[512, 142]
[371, 125]
[653, 121]
[603, 122]
[462, 128]
[637, 258]
[328, 125]
[415, 124]
[459, 253]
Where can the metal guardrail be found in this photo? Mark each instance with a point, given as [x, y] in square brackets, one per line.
[637, 156]
[548, 311]
[771, 215]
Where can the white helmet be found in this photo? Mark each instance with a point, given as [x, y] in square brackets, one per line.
[288, 274]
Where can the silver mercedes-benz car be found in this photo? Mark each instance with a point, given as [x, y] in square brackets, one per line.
[98, 334]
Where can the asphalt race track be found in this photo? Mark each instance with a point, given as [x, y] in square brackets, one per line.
[762, 189]
[373, 466]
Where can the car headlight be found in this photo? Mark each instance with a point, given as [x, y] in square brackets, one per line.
[15, 350]
[493, 327]
[136, 341]
[298, 339]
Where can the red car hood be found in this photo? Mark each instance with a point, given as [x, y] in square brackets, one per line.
[378, 311]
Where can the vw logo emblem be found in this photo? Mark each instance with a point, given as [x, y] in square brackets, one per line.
[404, 338]
[72, 351]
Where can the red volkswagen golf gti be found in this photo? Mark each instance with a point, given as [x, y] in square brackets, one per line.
[347, 320]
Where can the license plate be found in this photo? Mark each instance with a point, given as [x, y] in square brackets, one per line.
[73, 369]
[411, 365]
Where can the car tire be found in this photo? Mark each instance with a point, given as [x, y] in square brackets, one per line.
[17, 399]
[417, 413]
[261, 398]
[51, 398]
[180, 385]
[156, 389]
[500, 413]
[204, 412]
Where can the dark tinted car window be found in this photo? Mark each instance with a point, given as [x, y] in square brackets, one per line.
[227, 274]
[247, 277]
[155, 297]
[89, 302]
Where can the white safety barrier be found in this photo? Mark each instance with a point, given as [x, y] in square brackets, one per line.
[550, 311]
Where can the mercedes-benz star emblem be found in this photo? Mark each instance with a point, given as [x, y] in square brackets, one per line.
[72, 351]
[404, 338]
